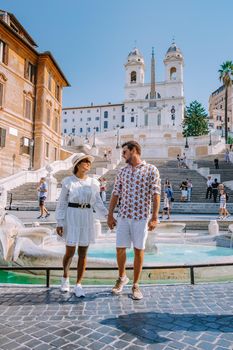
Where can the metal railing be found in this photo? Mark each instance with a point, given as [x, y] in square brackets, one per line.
[110, 268]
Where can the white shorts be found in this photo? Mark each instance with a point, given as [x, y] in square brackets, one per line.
[222, 205]
[184, 193]
[130, 230]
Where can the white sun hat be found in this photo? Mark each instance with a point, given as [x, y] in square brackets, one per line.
[80, 156]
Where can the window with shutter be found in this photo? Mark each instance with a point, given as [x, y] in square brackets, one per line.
[1, 94]
[28, 108]
[57, 92]
[56, 124]
[50, 82]
[47, 150]
[2, 137]
[48, 117]
[3, 52]
[26, 69]
[31, 72]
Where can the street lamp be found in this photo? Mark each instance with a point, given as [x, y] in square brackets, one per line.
[94, 137]
[186, 139]
[118, 137]
[210, 143]
[31, 152]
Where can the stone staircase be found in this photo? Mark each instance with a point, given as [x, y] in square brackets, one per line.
[168, 170]
[25, 196]
[225, 169]
[28, 191]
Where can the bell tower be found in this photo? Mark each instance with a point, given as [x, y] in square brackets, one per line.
[174, 64]
[134, 69]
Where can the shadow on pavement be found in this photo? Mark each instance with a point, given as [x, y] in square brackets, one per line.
[146, 325]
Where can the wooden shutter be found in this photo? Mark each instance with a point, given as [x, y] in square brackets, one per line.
[33, 74]
[28, 108]
[26, 69]
[1, 94]
[5, 53]
[2, 137]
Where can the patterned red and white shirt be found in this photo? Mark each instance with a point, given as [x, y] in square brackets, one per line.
[136, 187]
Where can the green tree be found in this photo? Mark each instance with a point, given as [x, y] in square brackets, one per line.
[225, 75]
[195, 120]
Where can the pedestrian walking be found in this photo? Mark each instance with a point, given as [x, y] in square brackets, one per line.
[184, 191]
[216, 163]
[80, 194]
[169, 191]
[209, 187]
[103, 187]
[223, 212]
[42, 190]
[178, 160]
[166, 207]
[138, 186]
[226, 156]
[189, 189]
[215, 185]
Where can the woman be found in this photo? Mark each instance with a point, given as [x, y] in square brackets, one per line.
[42, 195]
[222, 208]
[80, 194]
[184, 191]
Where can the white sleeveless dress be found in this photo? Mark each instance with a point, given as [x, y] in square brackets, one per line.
[78, 223]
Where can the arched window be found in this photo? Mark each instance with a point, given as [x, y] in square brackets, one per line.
[105, 114]
[133, 77]
[159, 119]
[173, 73]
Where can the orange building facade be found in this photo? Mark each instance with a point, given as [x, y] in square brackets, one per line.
[31, 86]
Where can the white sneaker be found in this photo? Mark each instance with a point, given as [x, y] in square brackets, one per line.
[78, 291]
[120, 283]
[65, 285]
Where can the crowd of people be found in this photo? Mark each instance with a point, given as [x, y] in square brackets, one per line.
[217, 191]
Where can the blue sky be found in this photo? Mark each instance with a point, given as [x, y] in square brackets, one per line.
[91, 39]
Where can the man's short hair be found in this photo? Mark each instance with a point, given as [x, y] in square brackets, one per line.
[131, 145]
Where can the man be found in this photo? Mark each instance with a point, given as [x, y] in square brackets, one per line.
[137, 185]
[215, 185]
[216, 163]
[209, 187]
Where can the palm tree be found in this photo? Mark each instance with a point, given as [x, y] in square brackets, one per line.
[226, 75]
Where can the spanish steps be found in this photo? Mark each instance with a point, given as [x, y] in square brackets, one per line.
[26, 195]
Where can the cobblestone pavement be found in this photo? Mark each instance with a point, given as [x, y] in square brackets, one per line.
[169, 317]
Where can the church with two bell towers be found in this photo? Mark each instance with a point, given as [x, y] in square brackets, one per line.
[154, 104]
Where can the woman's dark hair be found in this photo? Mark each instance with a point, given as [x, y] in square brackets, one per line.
[131, 145]
[76, 166]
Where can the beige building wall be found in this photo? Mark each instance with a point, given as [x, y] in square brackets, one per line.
[29, 134]
[217, 109]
